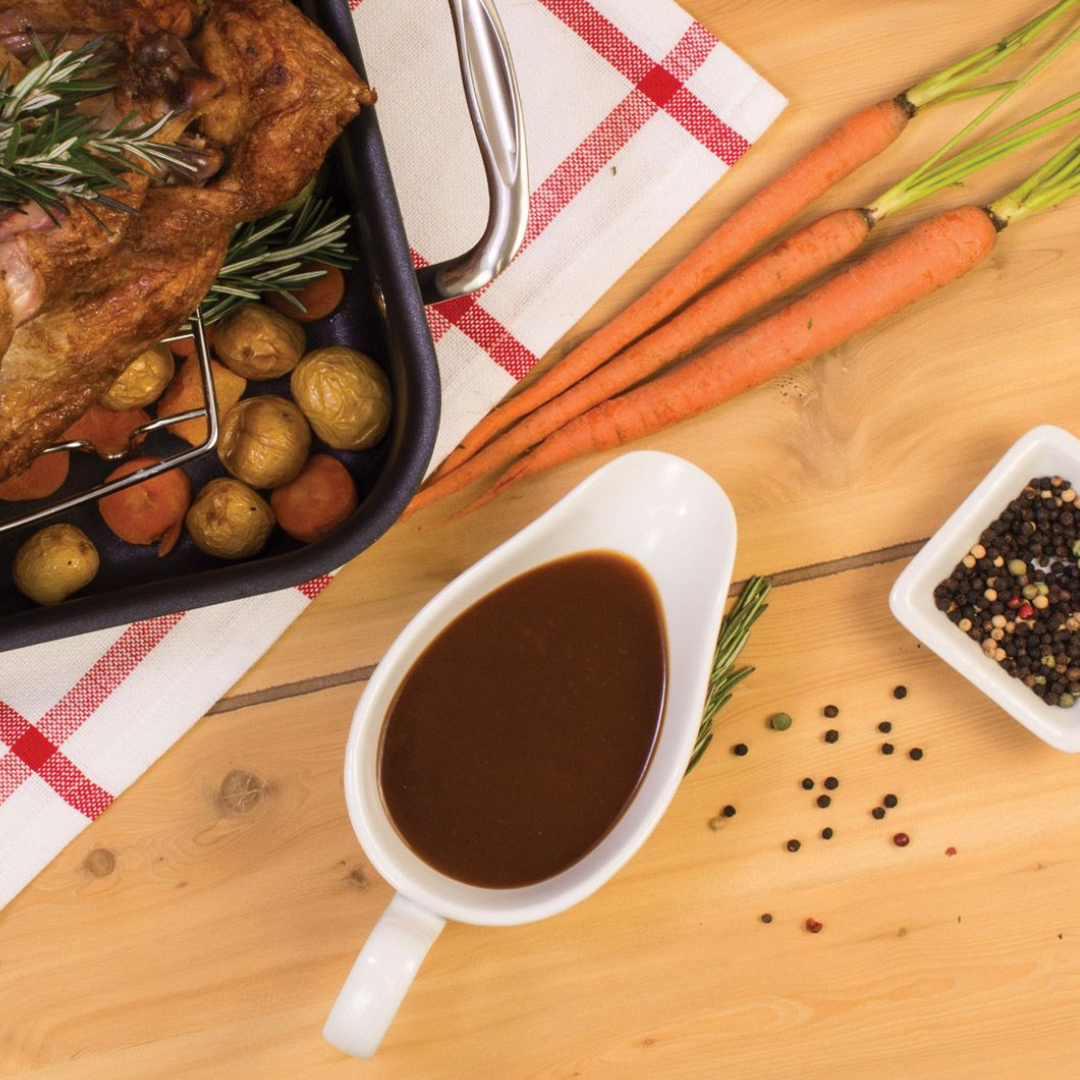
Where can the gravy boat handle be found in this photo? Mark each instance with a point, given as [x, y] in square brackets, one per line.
[382, 974]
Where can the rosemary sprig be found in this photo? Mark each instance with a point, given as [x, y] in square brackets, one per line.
[271, 255]
[734, 630]
[50, 151]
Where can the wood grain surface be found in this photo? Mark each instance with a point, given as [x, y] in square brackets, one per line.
[202, 927]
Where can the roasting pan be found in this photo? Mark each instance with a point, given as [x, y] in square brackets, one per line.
[382, 314]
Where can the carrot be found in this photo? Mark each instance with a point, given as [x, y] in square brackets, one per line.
[931, 254]
[859, 139]
[44, 477]
[151, 511]
[317, 501]
[319, 297]
[185, 346]
[795, 260]
[109, 432]
[185, 393]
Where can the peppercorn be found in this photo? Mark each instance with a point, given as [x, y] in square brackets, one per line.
[831, 783]
[831, 711]
[766, 918]
[780, 721]
[813, 926]
[826, 833]
[793, 845]
[884, 727]
[878, 812]
[740, 749]
[915, 754]
[900, 693]
[901, 839]
[823, 801]
[808, 784]
[887, 748]
[729, 811]
[832, 735]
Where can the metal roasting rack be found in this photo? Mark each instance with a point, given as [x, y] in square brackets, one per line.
[208, 411]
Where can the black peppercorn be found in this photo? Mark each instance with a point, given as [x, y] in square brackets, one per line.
[887, 748]
[915, 754]
[793, 845]
[729, 811]
[832, 735]
[900, 693]
[890, 801]
[808, 784]
[832, 783]
[826, 833]
[831, 711]
[740, 749]
[878, 812]
[766, 918]
[823, 801]
[884, 727]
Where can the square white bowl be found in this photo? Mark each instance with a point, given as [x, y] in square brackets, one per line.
[1043, 451]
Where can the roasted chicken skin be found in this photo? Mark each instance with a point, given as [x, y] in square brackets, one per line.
[281, 94]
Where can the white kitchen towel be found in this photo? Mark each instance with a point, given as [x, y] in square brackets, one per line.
[633, 111]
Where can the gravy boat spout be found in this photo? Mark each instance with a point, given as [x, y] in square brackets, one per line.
[678, 525]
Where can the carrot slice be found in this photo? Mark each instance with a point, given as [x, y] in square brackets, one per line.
[150, 512]
[45, 477]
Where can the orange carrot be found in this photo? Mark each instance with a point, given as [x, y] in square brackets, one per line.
[931, 254]
[792, 262]
[319, 297]
[44, 477]
[858, 140]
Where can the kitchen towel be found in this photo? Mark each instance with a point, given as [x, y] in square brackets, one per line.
[633, 111]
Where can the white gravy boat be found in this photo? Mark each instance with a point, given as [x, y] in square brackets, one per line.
[677, 523]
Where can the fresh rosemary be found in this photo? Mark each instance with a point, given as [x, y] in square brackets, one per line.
[734, 630]
[274, 254]
[50, 151]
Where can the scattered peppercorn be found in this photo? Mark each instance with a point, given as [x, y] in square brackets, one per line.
[808, 784]
[766, 918]
[831, 783]
[890, 801]
[915, 754]
[826, 833]
[740, 749]
[878, 812]
[950, 851]
[813, 926]
[793, 845]
[901, 839]
[729, 811]
[887, 748]
[823, 801]
[900, 693]
[831, 711]
[884, 727]
[780, 721]
[832, 735]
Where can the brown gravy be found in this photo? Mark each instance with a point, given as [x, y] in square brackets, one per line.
[520, 734]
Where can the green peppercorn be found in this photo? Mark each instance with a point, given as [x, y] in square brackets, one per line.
[1017, 567]
[1029, 592]
[1043, 588]
[1066, 701]
[780, 721]
[1076, 547]
[1048, 661]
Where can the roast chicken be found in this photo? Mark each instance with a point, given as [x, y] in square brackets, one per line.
[255, 95]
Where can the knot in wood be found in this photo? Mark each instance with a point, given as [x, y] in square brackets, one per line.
[240, 792]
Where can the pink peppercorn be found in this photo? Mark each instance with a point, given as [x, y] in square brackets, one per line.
[901, 839]
[813, 926]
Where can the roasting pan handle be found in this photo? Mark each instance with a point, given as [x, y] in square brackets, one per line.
[491, 91]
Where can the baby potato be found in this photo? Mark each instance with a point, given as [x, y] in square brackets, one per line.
[229, 520]
[142, 381]
[257, 342]
[55, 562]
[345, 395]
[264, 441]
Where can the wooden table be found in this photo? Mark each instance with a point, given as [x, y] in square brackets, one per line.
[202, 927]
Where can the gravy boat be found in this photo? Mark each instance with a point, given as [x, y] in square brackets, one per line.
[678, 524]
